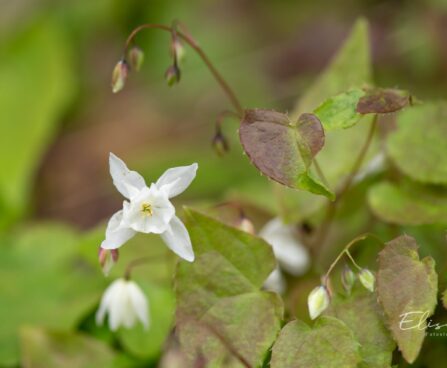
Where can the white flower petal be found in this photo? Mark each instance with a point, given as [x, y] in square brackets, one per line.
[174, 181]
[117, 307]
[106, 301]
[116, 234]
[139, 303]
[126, 181]
[290, 253]
[275, 282]
[177, 239]
[162, 211]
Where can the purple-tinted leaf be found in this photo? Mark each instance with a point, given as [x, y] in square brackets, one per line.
[283, 150]
[382, 101]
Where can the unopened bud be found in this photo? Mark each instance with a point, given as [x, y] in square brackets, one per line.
[347, 278]
[246, 225]
[136, 58]
[318, 301]
[172, 75]
[220, 144]
[177, 49]
[119, 75]
[107, 258]
[367, 279]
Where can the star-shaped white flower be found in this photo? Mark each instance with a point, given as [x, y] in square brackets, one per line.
[125, 303]
[292, 256]
[149, 209]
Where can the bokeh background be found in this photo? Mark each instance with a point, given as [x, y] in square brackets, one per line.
[59, 120]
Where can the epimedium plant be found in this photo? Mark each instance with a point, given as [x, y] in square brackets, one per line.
[345, 133]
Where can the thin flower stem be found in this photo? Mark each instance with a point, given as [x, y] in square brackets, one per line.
[332, 207]
[352, 260]
[345, 250]
[185, 37]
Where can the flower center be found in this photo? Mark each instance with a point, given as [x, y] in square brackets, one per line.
[146, 208]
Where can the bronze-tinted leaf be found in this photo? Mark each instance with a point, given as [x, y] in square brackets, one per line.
[328, 343]
[382, 101]
[407, 289]
[310, 128]
[283, 150]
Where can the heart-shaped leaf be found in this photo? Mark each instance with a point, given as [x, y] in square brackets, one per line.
[283, 150]
[408, 203]
[361, 313]
[407, 289]
[221, 311]
[329, 343]
[418, 145]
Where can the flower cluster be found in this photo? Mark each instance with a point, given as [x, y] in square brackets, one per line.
[147, 209]
[319, 298]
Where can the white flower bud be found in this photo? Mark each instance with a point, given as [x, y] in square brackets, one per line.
[317, 301]
[367, 279]
[136, 58]
[107, 259]
[347, 279]
[125, 303]
[119, 76]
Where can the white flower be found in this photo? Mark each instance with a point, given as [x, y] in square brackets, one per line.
[149, 209]
[292, 256]
[318, 301]
[125, 303]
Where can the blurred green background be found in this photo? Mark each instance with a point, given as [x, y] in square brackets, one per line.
[59, 120]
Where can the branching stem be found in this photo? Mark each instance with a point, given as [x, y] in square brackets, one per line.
[191, 42]
[346, 251]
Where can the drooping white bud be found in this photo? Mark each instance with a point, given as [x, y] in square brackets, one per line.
[318, 301]
[347, 279]
[119, 76]
[107, 259]
[367, 279]
[125, 304]
[136, 58]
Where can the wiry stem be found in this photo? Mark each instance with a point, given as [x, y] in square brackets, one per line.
[332, 207]
[346, 251]
[185, 37]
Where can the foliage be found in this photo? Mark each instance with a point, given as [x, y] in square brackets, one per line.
[351, 158]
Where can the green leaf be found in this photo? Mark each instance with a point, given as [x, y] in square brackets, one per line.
[220, 309]
[340, 111]
[329, 344]
[42, 282]
[37, 84]
[283, 150]
[48, 349]
[418, 145]
[408, 203]
[407, 289]
[361, 313]
[383, 101]
[350, 67]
